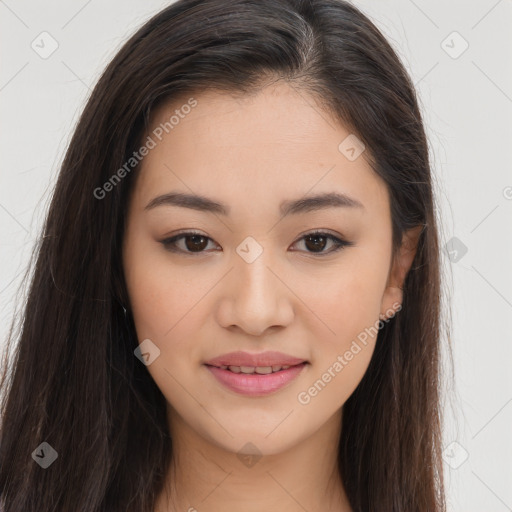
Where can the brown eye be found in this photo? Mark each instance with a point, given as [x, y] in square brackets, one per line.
[193, 243]
[317, 241]
[196, 243]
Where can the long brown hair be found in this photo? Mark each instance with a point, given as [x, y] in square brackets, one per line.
[73, 380]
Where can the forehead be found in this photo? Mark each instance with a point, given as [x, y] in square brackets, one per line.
[266, 147]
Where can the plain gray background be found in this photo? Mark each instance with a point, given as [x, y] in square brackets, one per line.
[466, 98]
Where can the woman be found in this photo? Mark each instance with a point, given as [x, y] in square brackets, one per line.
[235, 302]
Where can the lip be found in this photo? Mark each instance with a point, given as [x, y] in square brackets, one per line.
[256, 384]
[268, 358]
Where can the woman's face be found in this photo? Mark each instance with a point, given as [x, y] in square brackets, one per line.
[251, 279]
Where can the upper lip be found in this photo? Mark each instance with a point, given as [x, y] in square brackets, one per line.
[260, 359]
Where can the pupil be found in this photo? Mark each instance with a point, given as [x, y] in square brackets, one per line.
[194, 246]
[316, 237]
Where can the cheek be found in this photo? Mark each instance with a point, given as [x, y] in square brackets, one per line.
[348, 305]
[162, 298]
[348, 300]
[166, 308]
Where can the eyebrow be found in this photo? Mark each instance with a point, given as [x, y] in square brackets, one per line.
[288, 207]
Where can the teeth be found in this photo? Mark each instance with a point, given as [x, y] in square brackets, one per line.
[261, 370]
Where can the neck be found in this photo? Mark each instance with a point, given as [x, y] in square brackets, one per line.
[204, 476]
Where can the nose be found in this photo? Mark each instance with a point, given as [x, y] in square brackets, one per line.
[255, 297]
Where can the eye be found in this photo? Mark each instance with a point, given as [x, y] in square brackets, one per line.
[193, 242]
[197, 242]
[317, 240]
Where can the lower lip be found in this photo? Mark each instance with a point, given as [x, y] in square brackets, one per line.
[255, 384]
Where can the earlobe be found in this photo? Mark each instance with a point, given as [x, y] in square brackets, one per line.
[403, 259]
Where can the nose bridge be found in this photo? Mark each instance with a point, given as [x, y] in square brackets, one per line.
[255, 284]
[258, 298]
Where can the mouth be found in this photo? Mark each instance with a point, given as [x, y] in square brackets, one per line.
[254, 381]
[250, 370]
[262, 362]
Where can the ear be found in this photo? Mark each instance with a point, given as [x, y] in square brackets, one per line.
[402, 261]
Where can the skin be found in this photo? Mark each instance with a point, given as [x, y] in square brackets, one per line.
[251, 154]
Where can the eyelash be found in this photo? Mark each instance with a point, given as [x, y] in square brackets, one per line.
[170, 243]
